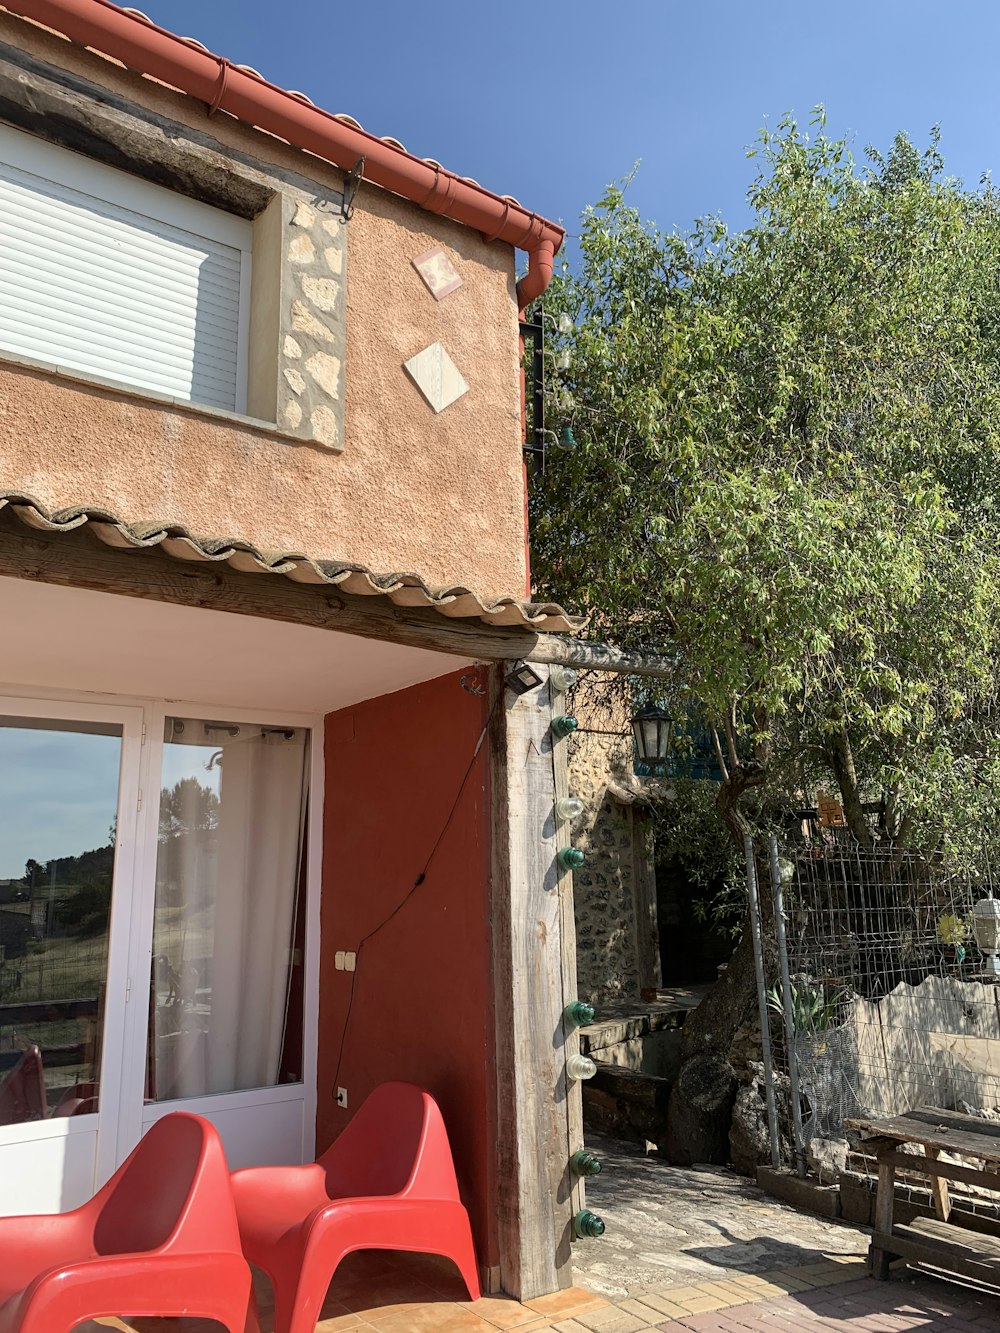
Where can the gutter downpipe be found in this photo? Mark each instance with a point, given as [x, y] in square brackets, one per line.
[176, 61]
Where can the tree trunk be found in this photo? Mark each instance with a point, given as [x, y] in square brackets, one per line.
[709, 1030]
[842, 763]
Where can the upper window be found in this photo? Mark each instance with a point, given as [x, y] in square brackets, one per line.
[105, 274]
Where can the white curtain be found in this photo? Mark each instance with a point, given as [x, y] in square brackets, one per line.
[228, 918]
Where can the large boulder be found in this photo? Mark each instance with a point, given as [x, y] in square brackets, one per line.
[749, 1137]
[700, 1111]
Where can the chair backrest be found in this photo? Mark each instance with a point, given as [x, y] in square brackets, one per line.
[22, 1092]
[395, 1144]
[172, 1191]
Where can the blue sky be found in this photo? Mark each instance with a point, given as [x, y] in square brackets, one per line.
[58, 794]
[59, 790]
[550, 102]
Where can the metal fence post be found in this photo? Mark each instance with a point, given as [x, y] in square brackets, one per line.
[787, 1006]
[765, 1030]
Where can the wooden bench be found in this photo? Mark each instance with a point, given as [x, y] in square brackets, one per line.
[941, 1240]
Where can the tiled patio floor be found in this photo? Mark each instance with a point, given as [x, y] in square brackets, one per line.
[375, 1293]
[686, 1251]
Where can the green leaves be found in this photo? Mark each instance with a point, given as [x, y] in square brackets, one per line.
[789, 473]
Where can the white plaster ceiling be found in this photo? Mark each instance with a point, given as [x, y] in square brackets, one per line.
[55, 638]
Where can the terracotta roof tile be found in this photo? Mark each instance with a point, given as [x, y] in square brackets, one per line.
[404, 589]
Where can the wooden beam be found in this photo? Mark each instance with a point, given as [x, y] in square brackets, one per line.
[588, 655]
[880, 1253]
[533, 1200]
[943, 1171]
[78, 559]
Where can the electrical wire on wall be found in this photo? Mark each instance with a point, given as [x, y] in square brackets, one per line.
[421, 877]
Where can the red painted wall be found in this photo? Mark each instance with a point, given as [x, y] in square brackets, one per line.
[422, 1007]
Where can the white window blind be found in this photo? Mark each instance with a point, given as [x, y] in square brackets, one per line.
[105, 274]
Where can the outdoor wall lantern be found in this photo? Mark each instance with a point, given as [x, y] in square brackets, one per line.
[653, 730]
[986, 923]
[523, 678]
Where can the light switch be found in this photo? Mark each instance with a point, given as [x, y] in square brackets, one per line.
[350, 961]
[338, 960]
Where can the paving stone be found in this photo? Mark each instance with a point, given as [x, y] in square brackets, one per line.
[662, 1304]
[640, 1309]
[612, 1320]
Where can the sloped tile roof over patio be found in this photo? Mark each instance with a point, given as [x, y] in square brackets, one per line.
[402, 589]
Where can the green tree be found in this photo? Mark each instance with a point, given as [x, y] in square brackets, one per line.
[187, 808]
[789, 479]
[788, 487]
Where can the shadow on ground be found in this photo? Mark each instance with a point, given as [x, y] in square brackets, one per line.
[671, 1225]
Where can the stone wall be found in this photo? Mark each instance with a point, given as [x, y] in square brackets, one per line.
[310, 356]
[614, 891]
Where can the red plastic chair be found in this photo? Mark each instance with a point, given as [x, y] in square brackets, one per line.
[22, 1092]
[160, 1238]
[388, 1182]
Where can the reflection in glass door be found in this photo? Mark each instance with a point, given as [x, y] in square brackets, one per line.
[60, 807]
[225, 1009]
[59, 796]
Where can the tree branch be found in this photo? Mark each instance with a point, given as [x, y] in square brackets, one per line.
[734, 758]
[719, 755]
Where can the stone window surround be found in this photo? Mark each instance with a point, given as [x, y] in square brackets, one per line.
[287, 330]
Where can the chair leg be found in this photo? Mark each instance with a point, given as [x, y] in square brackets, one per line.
[464, 1255]
[252, 1322]
[299, 1295]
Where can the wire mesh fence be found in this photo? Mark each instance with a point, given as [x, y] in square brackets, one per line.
[893, 995]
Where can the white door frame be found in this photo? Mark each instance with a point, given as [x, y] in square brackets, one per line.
[105, 1120]
[133, 1113]
[121, 1112]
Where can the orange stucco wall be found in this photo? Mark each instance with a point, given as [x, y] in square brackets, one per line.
[438, 494]
[421, 1008]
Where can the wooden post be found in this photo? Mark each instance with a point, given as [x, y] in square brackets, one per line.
[533, 944]
[879, 1255]
[572, 1185]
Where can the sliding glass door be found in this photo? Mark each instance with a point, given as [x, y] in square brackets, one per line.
[157, 948]
[68, 783]
[226, 932]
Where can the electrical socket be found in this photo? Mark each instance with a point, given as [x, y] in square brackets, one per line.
[342, 1097]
